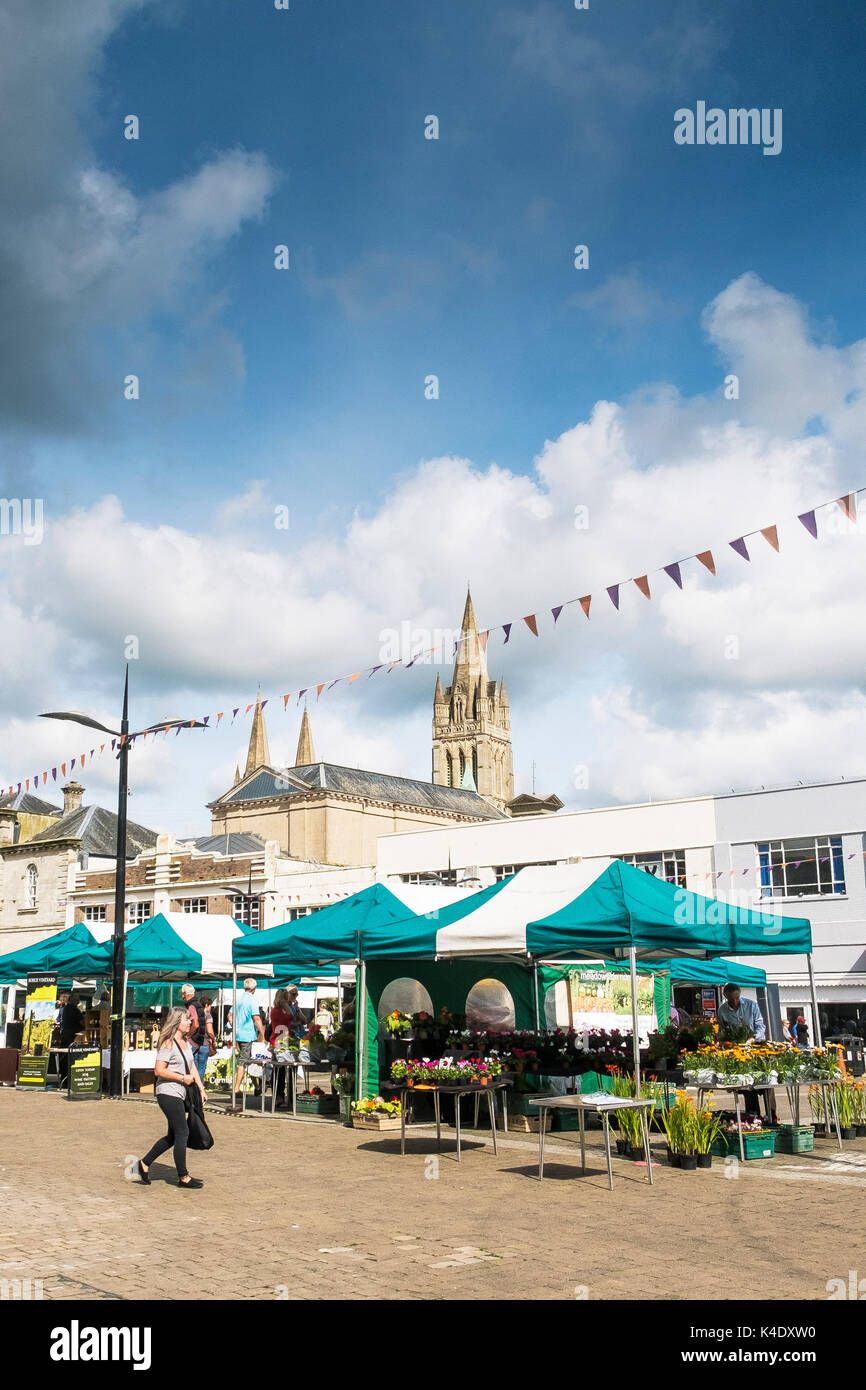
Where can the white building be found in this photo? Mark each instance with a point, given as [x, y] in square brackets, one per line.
[796, 849]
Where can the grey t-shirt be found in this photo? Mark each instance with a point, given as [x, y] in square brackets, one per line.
[172, 1055]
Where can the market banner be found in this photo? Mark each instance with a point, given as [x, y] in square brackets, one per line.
[85, 1073]
[39, 1012]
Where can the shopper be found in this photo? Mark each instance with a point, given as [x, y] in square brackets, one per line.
[246, 1029]
[299, 1023]
[175, 1072]
[802, 1032]
[281, 1028]
[201, 1031]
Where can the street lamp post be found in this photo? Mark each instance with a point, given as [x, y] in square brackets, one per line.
[118, 985]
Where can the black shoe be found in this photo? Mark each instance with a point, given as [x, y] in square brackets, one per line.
[190, 1182]
[143, 1176]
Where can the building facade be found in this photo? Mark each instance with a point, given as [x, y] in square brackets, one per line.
[796, 850]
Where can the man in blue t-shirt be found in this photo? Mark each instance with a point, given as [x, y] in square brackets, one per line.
[247, 1029]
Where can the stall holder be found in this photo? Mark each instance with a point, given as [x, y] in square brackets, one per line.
[792, 1088]
[603, 1108]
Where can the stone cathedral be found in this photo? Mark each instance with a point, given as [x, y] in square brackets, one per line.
[472, 724]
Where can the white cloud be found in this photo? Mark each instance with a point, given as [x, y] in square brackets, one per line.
[751, 677]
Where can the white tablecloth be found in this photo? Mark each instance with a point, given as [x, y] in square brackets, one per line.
[139, 1060]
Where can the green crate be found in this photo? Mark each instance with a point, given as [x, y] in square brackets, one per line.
[793, 1139]
[595, 1081]
[754, 1145]
[519, 1102]
[318, 1105]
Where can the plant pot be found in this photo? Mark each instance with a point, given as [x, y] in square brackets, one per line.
[621, 1146]
[635, 1153]
[848, 1131]
[704, 1160]
[674, 1159]
[705, 1077]
[861, 1131]
[689, 1162]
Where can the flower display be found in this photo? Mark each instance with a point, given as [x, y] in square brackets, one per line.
[474, 1071]
[376, 1105]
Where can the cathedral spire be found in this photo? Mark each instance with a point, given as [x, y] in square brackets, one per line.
[258, 754]
[305, 755]
[470, 656]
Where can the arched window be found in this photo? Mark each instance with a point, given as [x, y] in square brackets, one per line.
[462, 764]
[489, 1005]
[405, 994]
[449, 771]
[32, 885]
[475, 765]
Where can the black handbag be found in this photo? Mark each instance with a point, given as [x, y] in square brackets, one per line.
[199, 1136]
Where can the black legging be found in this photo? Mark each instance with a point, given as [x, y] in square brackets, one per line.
[174, 1111]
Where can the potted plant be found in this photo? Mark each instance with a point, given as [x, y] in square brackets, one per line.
[844, 1093]
[399, 1025]
[376, 1113]
[707, 1125]
[674, 1123]
[344, 1082]
[859, 1101]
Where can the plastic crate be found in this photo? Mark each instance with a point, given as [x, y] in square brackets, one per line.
[793, 1139]
[318, 1105]
[754, 1145]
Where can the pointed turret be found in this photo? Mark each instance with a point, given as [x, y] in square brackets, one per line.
[470, 655]
[258, 754]
[237, 774]
[438, 695]
[305, 755]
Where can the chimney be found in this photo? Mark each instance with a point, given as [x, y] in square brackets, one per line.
[72, 795]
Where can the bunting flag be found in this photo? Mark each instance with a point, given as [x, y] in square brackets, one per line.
[808, 519]
[771, 535]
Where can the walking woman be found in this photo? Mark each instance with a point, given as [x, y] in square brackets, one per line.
[175, 1071]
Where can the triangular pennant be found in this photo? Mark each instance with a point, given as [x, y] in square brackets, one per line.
[62, 771]
[72, 764]
[740, 546]
[248, 708]
[220, 715]
[810, 522]
[176, 732]
[532, 624]
[374, 669]
[673, 572]
[319, 689]
[53, 775]
[235, 713]
[556, 612]
[81, 760]
[336, 682]
[27, 784]
[613, 595]
[848, 505]
[706, 559]
[643, 584]
[301, 693]
[771, 536]
[44, 778]
[585, 602]
[483, 639]
[506, 628]
[102, 747]
[264, 702]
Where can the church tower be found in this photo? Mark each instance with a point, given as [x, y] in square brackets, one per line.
[472, 723]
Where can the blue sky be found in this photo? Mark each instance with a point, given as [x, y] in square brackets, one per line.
[409, 257]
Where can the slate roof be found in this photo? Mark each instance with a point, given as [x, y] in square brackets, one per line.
[375, 786]
[233, 843]
[96, 830]
[28, 803]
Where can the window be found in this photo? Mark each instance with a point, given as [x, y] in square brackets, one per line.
[462, 765]
[801, 868]
[667, 864]
[138, 912]
[475, 765]
[405, 994]
[194, 904]
[449, 771]
[32, 891]
[506, 870]
[448, 877]
[489, 1005]
[296, 912]
[247, 910]
[95, 913]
